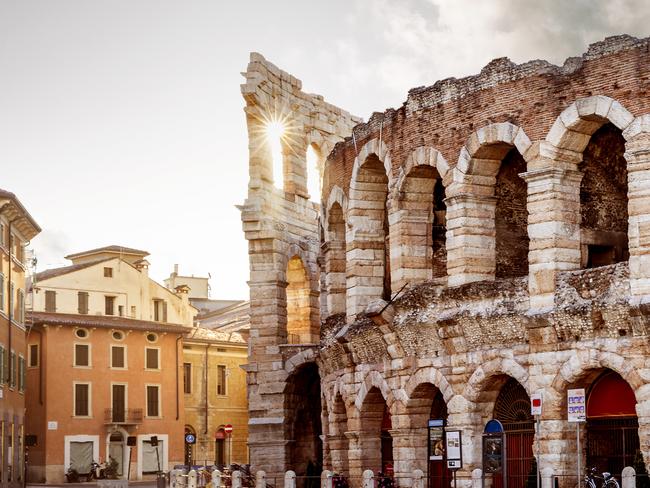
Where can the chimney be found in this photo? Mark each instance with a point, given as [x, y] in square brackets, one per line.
[176, 270]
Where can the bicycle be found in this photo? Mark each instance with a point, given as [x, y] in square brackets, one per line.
[606, 480]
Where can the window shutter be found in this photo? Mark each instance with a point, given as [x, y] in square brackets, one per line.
[81, 400]
[82, 299]
[21, 374]
[3, 371]
[117, 356]
[13, 368]
[81, 355]
[152, 401]
[152, 358]
[164, 314]
[33, 355]
[2, 291]
[50, 300]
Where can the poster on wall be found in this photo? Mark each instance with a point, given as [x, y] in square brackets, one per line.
[436, 439]
[493, 453]
[453, 447]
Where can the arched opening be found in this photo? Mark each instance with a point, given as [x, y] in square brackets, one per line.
[368, 253]
[427, 403]
[335, 260]
[189, 446]
[511, 217]
[275, 130]
[422, 254]
[612, 425]
[512, 409]
[339, 443]
[375, 438]
[117, 450]
[303, 420]
[313, 160]
[603, 199]
[298, 303]
[220, 454]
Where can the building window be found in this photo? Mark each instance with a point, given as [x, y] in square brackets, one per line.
[118, 357]
[82, 302]
[132, 311]
[3, 369]
[2, 291]
[118, 335]
[151, 337]
[187, 377]
[221, 379]
[108, 272]
[33, 356]
[153, 401]
[20, 313]
[21, 373]
[3, 239]
[120, 310]
[81, 333]
[160, 311]
[13, 370]
[82, 355]
[82, 399]
[151, 358]
[109, 303]
[50, 301]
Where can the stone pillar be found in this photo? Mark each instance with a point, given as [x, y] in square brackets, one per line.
[368, 479]
[628, 477]
[418, 479]
[410, 242]
[406, 455]
[260, 479]
[326, 479]
[339, 453]
[334, 253]
[470, 238]
[463, 416]
[365, 266]
[289, 479]
[355, 459]
[294, 154]
[553, 219]
[637, 155]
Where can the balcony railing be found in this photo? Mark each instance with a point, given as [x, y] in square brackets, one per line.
[128, 416]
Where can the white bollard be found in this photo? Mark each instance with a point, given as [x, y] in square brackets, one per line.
[368, 479]
[290, 479]
[477, 476]
[191, 479]
[260, 479]
[628, 477]
[216, 479]
[173, 478]
[418, 478]
[326, 479]
[547, 477]
[236, 479]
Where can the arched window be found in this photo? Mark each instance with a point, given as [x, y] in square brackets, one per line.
[299, 330]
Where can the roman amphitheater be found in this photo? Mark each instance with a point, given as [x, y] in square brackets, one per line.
[486, 241]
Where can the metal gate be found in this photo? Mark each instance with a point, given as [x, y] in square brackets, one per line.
[612, 443]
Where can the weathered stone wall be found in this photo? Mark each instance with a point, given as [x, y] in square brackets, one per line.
[511, 148]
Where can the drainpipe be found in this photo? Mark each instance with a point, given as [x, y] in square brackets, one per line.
[207, 388]
[178, 415]
[11, 305]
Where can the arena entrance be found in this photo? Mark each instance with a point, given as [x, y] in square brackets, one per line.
[512, 409]
[304, 430]
[439, 475]
[612, 425]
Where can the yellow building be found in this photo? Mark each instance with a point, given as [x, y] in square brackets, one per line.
[214, 388]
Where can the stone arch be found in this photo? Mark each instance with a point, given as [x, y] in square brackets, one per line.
[488, 204]
[334, 250]
[368, 244]
[374, 379]
[418, 219]
[303, 322]
[431, 376]
[591, 135]
[485, 373]
[298, 360]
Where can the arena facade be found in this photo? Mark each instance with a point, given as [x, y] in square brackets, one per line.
[486, 241]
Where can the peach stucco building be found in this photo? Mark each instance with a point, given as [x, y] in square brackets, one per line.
[104, 372]
[17, 228]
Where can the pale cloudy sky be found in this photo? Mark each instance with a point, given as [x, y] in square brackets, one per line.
[121, 120]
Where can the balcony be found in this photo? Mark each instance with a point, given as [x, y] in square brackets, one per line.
[129, 416]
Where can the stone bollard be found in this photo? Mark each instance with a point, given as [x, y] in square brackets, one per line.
[477, 478]
[418, 479]
[326, 479]
[216, 479]
[368, 479]
[260, 479]
[547, 477]
[628, 477]
[290, 479]
[191, 479]
[236, 479]
[173, 478]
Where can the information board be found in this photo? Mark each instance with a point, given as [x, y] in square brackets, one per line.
[576, 405]
[453, 445]
[436, 439]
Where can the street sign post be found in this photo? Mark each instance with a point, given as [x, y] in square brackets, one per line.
[577, 412]
[536, 403]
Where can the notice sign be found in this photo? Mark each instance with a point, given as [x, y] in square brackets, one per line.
[453, 445]
[576, 405]
[536, 404]
[436, 441]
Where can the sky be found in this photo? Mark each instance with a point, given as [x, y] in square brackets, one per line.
[121, 121]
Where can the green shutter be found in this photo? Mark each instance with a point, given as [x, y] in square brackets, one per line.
[2, 365]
